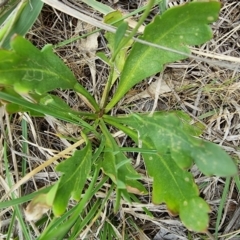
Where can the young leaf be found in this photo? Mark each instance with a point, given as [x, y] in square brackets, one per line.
[118, 167]
[115, 39]
[120, 34]
[28, 69]
[75, 172]
[176, 28]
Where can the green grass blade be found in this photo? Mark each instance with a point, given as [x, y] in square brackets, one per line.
[21, 21]
[10, 227]
[6, 11]
[100, 7]
[236, 178]
[82, 223]
[103, 8]
[221, 206]
[16, 208]
[24, 146]
[14, 202]
[65, 116]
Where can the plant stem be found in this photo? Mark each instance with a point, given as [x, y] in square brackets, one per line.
[121, 45]
[107, 87]
[135, 30]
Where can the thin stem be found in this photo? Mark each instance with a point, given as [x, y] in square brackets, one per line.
[107, 87]
[121, 45]
[135, 30]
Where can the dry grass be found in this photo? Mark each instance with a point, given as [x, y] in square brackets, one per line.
[209, 94]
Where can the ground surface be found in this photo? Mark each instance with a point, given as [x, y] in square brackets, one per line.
[209, 94]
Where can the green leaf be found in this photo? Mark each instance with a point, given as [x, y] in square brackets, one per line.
[170, 133]
[103, 57]
[13, 107]
[102, 8]
[177, 189]
[172, 136]
[54, 102]
[19, 21]
[176, 28]
[6, 11]
[50, 196]
[119, 35]
[118, 167]
[115, 39]
[59, 227]
[213, 160]
[29, 70]
[75, 172]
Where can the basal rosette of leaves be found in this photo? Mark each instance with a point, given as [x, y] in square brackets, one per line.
[169, 144]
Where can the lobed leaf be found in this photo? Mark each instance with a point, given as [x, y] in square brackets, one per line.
[171, 135]
[176, 187]
[193, 214]
[175, 28]
[75, 172]
[116, 165]
[28, 69]
[172, 132]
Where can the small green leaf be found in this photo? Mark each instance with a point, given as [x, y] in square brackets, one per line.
[119, 35]
[176, 28]
[102, 8]
[115, 39]
[113, 17]
[28, 69]
[103, 57]
[50, 196]
[123, 175]
[75, 172]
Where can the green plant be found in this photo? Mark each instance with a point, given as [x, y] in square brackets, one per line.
[168, 144]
